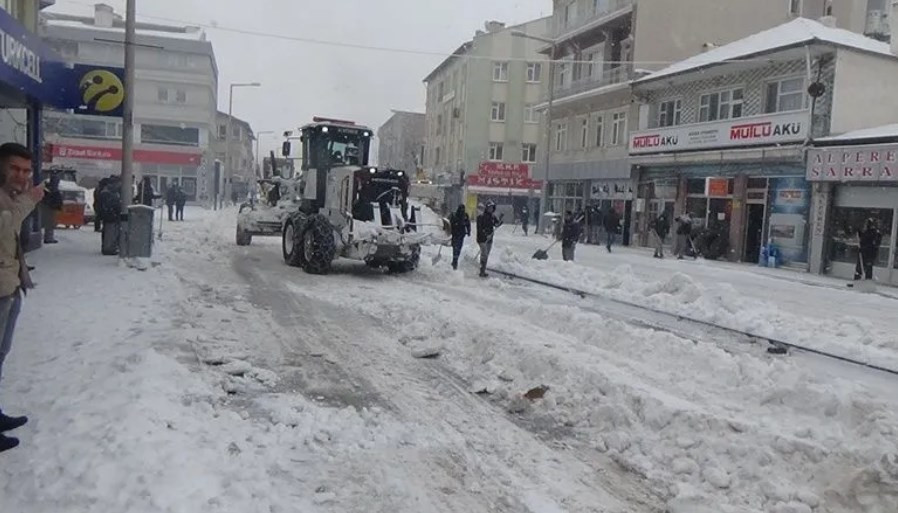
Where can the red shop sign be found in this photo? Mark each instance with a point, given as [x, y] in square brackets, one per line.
[502, 169]
[67, 151]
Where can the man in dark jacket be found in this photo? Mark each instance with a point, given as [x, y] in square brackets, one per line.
[461, 228]
[659, 230]
[171, 196]
[98, 219]
[49, 207]
[180, 202]
[145, 193]
[869, 238]
[525, 220]
[487, 222]
[611, 222]
[570, 235]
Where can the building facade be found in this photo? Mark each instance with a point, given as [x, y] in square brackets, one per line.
[725, 141]
[175, 102]
[600, 46]
[481, 115]
[401, 143]
[242, 156]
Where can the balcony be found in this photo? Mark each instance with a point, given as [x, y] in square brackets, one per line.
[600, 13]
[609, 77]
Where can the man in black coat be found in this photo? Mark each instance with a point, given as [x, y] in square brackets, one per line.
[570, 235]
[49, 207]
[171, 196]
[98, 219]
[487, 222]
[180, 202]
[659, 230]
[611, 222]
[869, 238]
[525, 220]
[461, 228]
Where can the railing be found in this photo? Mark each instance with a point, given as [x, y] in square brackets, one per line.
[597, 9]
[610, 76]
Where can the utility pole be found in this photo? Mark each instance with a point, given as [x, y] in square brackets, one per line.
[229, 166]
[128, 115]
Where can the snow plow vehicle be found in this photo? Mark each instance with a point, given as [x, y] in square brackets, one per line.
[347, 208]
[264, 216]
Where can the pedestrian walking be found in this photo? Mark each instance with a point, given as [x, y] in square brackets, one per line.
[18, 198]
[611, 222]
[145, 193]
[487, 222]
[570, 235]
[50, 206]
[525, 220]
[659, 230]
[460, 223]
[684, 235]
[171, 196]
[869, 239]
[180, 203]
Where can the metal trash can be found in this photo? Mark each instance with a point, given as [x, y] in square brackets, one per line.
[138, 237]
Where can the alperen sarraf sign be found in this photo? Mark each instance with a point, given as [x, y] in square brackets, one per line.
[869, 163]
[788, 127]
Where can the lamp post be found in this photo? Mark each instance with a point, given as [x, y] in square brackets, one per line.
[551, 77]
[229, 172]
[259, 150]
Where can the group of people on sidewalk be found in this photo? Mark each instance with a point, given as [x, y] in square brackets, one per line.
[18, 199]
[572, 231]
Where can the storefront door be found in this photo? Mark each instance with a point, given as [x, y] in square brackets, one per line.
[754, 232]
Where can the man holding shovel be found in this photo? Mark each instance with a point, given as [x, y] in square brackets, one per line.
[487, 222]
[461, 228]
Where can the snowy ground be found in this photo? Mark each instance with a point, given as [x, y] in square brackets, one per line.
[221, 380]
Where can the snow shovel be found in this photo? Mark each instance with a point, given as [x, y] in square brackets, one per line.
[543, 254]
[439, 256]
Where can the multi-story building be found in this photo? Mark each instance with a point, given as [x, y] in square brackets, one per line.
[601, 45]
[175, 102]
[722, 136]
[401, 142]
[242, 157]
[481, 109]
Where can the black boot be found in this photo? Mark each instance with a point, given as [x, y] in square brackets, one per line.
[9, 423]
[8, 442]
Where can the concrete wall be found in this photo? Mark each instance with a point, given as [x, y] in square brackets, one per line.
[671, 30]
[864, 91]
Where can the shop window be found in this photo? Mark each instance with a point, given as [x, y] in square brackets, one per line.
[160, 134]
[698, 208]
[757, 183]
[844, 239]
[695, 186]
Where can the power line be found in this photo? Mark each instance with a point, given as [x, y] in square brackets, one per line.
[387, 49]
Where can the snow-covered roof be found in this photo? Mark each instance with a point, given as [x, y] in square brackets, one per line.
[175, 33]
[880, 132]
[798, 32]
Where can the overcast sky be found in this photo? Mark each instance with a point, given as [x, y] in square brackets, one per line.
[301, 80]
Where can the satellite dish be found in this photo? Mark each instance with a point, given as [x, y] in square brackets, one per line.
[817, 89]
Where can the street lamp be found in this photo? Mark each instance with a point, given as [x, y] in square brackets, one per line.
[229, 173]
[259, 149]
[551, 77]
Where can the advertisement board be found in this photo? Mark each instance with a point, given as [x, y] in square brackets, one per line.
[787, 127]
[869, 163]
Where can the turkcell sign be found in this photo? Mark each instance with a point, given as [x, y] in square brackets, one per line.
[781, 128]
[19, 57]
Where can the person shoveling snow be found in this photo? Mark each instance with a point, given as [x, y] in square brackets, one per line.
[487, 222]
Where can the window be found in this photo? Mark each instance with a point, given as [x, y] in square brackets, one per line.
[160, 134]
[584, 133]
[497, 113]
[181, 96]
[844, 242]
[618, 128]
[223, 132]
[570, 13]
[83, 128]
[528, 154]
[162, 94]
[670, 113]
[600, 129]
[531, 115]
[534, 72]
[496, 151]
[795, 7]
[561, 137]
[500, 72]
[721, 105]
[564, 74]
[436, 160]
[785, 95]
[592, 65]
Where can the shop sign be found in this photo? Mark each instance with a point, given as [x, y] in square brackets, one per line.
[717, 187]
[607, 189]
[503, 170]
[68, 151]
[876, 163]
[505, 182]
[760, 130]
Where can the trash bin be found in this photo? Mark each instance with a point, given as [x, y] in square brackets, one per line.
[138, 239]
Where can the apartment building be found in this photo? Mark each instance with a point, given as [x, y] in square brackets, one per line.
[722, 135]
[175, 102]
[600, 46]
[401, 142]
[482, 128]
[242, 157]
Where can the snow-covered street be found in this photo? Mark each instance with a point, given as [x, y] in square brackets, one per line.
[221, 380]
